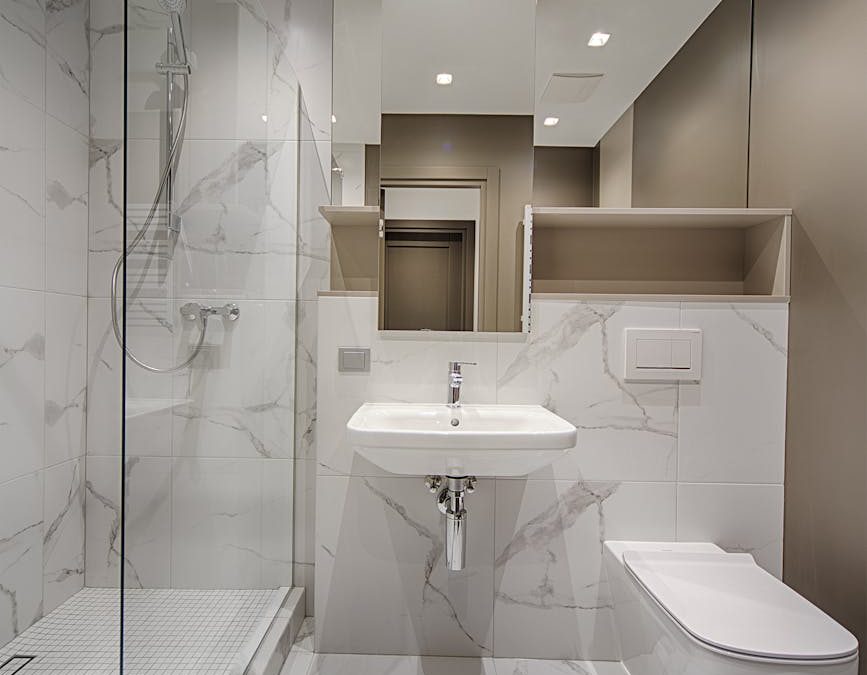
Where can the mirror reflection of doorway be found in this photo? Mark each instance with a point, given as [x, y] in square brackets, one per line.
[427, 273]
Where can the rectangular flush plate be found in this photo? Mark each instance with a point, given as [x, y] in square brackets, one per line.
[663, 355]
[353, 360]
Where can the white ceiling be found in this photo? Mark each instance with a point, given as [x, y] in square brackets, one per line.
[486, 44]
[645, 35]
[502, 54]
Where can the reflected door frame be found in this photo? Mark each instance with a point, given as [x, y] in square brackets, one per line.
[487, 180]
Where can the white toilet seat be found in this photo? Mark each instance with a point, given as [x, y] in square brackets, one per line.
[731, 605]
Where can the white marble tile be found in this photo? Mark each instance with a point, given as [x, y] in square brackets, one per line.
[66, 176]
[307, 329]
[551, 597]
[63, 539]
[309, 45]
[22, 372]
[305, 511]
[738, 518]
[238, 396]
[404, 368]
[380, 553]
[22, 49]
[733, 423]
[376, 664]
[147, 525]
[276, 548]
[150, 338]
[105, 212]
[548, 667]
[237, 202]
[20, 555]
[67, 83]
[65, 377]
[22, 187]
[314, 232]
[106, 69]
[573, 365]
[303, 577]
[216, 523]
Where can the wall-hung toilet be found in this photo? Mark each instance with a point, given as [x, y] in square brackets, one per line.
[693, 609]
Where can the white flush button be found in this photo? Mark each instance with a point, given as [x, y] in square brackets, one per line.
[652, 353]
[663, 355]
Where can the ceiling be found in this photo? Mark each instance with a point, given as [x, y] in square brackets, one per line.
[502, 54]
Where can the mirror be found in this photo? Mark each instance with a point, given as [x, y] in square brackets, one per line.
[453, 118]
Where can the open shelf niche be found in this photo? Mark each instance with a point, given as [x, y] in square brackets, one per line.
[354, 247]
[708, 254]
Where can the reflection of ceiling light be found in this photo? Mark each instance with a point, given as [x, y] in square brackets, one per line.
[444, 78]
[598, 39]
[334, 119]
[264, 118]
[551, 121]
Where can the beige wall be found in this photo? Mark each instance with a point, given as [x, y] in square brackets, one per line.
[615, 164]
[809, 151]
[691, 123]
[563, 176]
[505, 142]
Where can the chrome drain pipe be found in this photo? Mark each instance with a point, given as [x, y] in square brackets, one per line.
[450, 502]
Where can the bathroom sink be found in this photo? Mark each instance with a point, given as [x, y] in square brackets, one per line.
[471, 440]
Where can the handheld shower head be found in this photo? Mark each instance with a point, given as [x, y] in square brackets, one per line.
[175, 8]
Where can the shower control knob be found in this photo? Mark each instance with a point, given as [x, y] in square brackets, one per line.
[432, 483]
[471, 484]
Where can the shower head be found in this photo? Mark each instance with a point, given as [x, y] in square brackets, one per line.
[173, 5]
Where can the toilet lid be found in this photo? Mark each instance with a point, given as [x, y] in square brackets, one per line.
[727, 601]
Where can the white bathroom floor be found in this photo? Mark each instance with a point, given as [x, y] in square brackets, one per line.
[188, 632]
[303, 661]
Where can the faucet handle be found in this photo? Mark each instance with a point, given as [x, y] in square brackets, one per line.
[455, 366]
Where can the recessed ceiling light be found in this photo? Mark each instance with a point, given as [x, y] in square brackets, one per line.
[598, 39]
[551, 121]
[444, 78]
[334, 119]
[264, 118]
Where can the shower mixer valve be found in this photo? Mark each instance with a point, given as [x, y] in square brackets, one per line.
[193, 311]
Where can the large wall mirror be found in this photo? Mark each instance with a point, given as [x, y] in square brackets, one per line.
[452, 117]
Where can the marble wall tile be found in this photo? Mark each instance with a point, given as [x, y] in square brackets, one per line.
[304, 511]
[276, 548]
[106, 69]
[404, 368]
[63, 536]
[22, 186]
[738, 518]
[216, 523]
[389, 533]
[65, 377]
[237, 204]
[22, 372]
[732, 423]
[66, 176]
[105, 213]
[308, 25]
[67, 79]
[20, 554]
[573, 364]
[147, 526]
[307, 329]
[22, 50]
[237, 398]
[314, 232]
[551, 597]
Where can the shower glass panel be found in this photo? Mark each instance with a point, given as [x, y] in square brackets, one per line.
[206, 306]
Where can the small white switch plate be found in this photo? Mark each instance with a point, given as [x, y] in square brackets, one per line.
[662, 355]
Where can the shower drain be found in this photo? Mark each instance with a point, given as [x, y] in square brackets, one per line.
[15, 664]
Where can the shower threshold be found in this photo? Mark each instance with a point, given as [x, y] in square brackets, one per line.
[189, 632]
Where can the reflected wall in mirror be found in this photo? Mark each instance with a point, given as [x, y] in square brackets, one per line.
[453, 119]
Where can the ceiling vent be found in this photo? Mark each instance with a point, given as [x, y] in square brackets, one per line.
[571, 87]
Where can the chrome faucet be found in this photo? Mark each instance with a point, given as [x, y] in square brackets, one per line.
[456, 379]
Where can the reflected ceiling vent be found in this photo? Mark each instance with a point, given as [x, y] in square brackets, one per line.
[571, 87]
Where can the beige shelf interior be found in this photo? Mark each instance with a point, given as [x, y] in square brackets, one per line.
[351, 216]
[354, 247]
[671, 253]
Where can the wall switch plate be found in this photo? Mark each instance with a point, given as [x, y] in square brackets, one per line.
[353, 360]
[663, 355]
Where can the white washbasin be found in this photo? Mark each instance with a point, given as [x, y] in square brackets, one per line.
[472, 440]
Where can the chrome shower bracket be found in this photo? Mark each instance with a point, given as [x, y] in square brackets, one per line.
[193, 311]
[451, 492]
